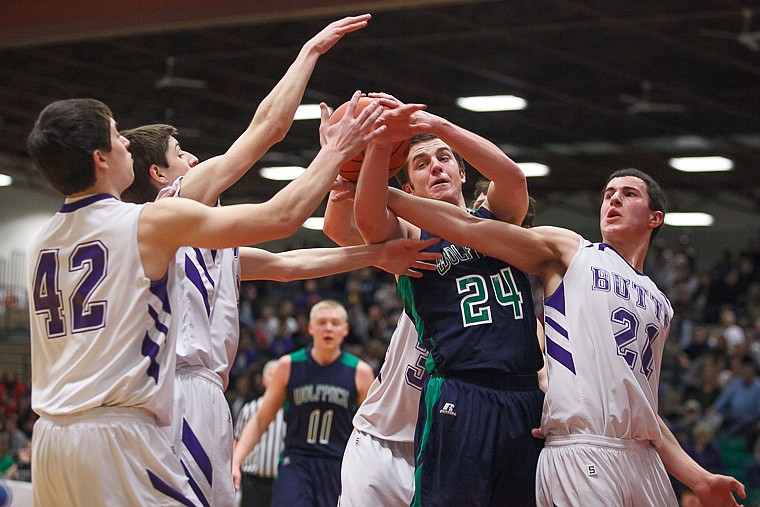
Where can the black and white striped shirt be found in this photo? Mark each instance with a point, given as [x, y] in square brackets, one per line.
[262, 461]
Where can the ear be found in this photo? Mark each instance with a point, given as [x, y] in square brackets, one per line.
[656, 219]
[406, 187]
[157, 176]
[463, 174]
[99, 162]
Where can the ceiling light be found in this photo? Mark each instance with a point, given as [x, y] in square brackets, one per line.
[701, 164]
[490, 103]
[533, 169]
[5, 180]
[282, 173]
[308, 112]
[314, 223]
[689, 219]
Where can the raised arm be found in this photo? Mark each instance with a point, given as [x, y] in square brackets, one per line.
[271, 121]
[401, 256]
[274, 398]
[340, 225]
[508, 195]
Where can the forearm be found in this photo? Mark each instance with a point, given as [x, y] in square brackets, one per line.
[340, 225]
[677, 462]
[248, 439]
[440, 218]
[373, 219]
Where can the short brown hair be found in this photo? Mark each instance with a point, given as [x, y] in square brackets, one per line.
[63, 139]
[148, 145]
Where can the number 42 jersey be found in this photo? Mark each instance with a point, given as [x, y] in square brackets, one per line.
[100, 328]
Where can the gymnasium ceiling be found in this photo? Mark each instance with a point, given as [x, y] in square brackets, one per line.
[609, 83]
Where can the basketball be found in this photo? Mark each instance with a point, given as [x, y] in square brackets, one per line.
[350, 170]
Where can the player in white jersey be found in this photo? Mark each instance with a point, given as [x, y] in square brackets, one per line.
[606, 323]
[99, 367]
[207, 281]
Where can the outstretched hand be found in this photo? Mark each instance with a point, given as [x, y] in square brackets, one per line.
[350, 135]
[403, 256]
[402, 120]
[332, 33]
[717, 491]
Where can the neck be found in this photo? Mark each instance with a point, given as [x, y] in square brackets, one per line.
[633, 252]
[323, 357]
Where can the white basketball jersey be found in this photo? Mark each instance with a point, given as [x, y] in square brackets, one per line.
[605, 332]
[390, 410]
[206, 288]
[99, 327]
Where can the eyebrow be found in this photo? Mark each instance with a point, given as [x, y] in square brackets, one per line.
[437, 151]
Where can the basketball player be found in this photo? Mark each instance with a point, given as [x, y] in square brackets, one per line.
[103, 348]
[474, 315]
[320, 387]
[207, 281]
[378, 464]
[606, 325]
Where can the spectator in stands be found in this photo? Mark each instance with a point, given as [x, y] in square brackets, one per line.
[704, 450]
[739, 404]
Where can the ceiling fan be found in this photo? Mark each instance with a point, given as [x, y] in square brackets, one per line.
[169, 80]
[644, 104]
[745, 36]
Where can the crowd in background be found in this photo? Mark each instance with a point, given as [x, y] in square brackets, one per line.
[710, 387]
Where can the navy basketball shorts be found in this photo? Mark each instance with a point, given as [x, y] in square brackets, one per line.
[473, 444]
[307, 481]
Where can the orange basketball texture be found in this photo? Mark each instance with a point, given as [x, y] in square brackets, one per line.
[350, 170]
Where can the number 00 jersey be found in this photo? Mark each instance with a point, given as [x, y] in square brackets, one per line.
[605, 331]
[320, 403]
[473, 312]
[100, 328]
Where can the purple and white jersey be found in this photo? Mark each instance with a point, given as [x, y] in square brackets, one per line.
[206, 289]
[390, 410]
[99, 327]
[605, 331]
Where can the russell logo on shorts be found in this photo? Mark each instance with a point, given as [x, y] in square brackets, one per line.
[448, 409]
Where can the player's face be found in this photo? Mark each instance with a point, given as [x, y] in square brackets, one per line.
[180, 161]
[119, 158]
[434, 172]
[625, 209]
[328, 328]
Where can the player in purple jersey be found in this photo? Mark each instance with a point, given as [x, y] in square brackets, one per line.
[320, 388]
[84, 330]
[606, 323]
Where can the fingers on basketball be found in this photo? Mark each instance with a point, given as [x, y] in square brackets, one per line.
[350, 170]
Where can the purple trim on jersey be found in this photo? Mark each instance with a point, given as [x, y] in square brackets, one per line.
[150, 350]
[564, 357]
[605, 246]
[159, 289]
[194, 276]
[81, 203]
[163, 487]
[194, 486]
[202, 262]
[557, 300]
[556, 326]
[196, 451]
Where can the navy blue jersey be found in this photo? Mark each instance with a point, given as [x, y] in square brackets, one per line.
[474, 312]
[321, 402]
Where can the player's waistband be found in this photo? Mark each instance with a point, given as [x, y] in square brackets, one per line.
[495, 379]
[200, 372]
[104, 414]
[626, 444]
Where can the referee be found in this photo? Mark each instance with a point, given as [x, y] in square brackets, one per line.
[259, 469]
